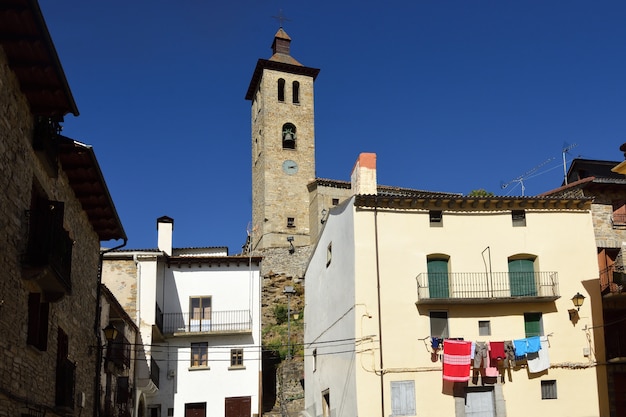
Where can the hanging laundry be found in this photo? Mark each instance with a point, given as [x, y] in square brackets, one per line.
[473, 351]
[456, 360]
[436, 342]
[480, 354]
[509, 354]
[496, 350]
[520, 347]
[533, 344]
[539, 361]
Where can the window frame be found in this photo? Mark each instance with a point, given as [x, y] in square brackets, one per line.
[549, 390]
[485, 329]
[434, 321]
[533, 319]
[201, 350]
[295, 90]
[406, 405]
[281, 90]
[236, 358]
[435, 218]
[518, 218]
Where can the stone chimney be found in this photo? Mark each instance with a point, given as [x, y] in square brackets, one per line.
[363, 176]
[165, 227]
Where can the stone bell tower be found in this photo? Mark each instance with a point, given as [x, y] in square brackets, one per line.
[283, 148]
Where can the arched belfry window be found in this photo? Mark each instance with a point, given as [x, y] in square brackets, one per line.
[281, 89]
[295, 88]
[289, 136]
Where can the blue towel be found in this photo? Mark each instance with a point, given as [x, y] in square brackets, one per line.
[534, 344]
[520, 347]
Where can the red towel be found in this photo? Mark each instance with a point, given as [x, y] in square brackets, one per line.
[456, 360]
[496, 351]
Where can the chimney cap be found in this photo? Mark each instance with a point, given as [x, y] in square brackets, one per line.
[165, 219]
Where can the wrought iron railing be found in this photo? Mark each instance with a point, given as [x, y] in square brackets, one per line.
[155, 372]
[158, 317]
[486, 285]
[215, 322]
[119, 353]
[49, 244]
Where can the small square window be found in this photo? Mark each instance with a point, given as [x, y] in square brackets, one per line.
[236, 357]
[170, 412]
[436, 218]
[291, 222]
[335, 201]
[519, 218]
[484, 328]
[548, 390]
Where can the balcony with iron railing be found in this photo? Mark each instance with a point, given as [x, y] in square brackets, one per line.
[486, 287]
[220, 322]
[48, 257]
[155, 372]
[118, 353]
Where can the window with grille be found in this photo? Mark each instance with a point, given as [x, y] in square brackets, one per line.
[548, 390]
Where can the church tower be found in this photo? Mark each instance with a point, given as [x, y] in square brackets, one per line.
[283, 148]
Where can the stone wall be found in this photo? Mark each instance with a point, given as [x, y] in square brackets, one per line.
[279, 269]
[27, 375]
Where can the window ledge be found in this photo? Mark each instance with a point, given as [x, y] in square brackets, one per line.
[199, 368]
[236, 367]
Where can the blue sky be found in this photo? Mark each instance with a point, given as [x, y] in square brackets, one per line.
[451, 95]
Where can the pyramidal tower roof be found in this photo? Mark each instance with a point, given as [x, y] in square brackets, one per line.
[281, 48]
[281, 60]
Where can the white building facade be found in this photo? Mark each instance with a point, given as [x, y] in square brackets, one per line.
[198, 311]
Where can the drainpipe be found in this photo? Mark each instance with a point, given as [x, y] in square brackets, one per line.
[380, 325]
[97, 331]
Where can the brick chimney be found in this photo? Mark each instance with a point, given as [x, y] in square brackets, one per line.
[165, 227]
[363, 176]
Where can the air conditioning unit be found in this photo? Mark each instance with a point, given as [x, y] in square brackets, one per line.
[171, 373]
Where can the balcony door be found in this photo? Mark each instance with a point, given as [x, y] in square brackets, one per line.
[522, 278]
[438, 278]
[200, 314]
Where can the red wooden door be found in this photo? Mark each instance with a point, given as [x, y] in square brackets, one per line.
[238, 407]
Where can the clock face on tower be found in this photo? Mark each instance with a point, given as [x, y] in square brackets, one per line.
[290, 167]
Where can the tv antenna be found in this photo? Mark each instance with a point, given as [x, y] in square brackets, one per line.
[528, 174]
[566, 149]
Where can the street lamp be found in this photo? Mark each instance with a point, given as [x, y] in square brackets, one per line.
[289, 291]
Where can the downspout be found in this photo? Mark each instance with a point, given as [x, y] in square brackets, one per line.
[380, 325]
[97, 331]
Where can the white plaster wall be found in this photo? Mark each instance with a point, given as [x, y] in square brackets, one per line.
[330, 314]
[231, 288]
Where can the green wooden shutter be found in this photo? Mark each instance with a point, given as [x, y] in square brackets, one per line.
[438, 278]
[522, 278]
[532, 324]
